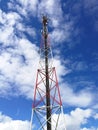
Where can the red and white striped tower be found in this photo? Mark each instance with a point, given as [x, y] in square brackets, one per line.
[47, 111]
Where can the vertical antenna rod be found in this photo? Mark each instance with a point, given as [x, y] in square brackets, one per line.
[48, 107]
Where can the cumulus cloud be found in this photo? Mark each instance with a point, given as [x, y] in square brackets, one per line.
[89, 128]
[59, 35]
[7, 23]
[24, 7]
[51, 8]
[8, 123]
[79, 66]
[82, 98]
[76, 118]
[4, 118]
[61, 30]
[19, 57]
[60, 69]
[96, 116]
[19, 67]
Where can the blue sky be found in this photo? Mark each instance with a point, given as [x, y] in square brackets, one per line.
[73, 34]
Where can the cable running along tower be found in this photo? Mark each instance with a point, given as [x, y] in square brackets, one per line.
[47, 111]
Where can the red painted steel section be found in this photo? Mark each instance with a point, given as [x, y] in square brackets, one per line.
[37, 86]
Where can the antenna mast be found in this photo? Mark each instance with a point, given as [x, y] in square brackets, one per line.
[47, 108]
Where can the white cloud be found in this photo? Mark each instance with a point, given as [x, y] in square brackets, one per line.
[60, 69]
[24, 7]
[92, 128]
[22, 28]
[19, 67]
[95, 106]
[8, 123]
[96, 116]
[82, 98]
[50, 7]
[19, 58]
[16, 7]
[4, 118]
[79, 66]
[62, 30]
[72, 121]
[12, 27]
[61, 34]
[58, 36]
[29, 5]
[8, 21]
[53, 9]
[19, 63]
[76, 118]
[15, 125]
[85, 129]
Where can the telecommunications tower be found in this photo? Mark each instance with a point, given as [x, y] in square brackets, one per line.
[47, 111]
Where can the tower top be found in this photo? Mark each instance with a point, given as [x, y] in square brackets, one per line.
[45, 20]
[45, 29]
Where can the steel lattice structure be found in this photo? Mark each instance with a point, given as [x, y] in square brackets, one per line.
[47, 109]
